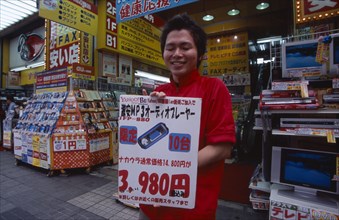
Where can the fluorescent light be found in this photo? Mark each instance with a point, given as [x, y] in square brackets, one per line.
[269, 39]
[152, 76]
[33, 65]
[208, 18]
[233, 12]
[262, 6]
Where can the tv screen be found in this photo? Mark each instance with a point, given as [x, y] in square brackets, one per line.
[334, 54]
[299, 60]
[306, 170]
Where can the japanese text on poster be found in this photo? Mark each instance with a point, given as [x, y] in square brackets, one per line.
[158, 150]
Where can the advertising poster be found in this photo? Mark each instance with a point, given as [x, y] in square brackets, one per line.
[158, 150]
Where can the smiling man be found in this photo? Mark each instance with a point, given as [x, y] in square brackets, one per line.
[183, 44]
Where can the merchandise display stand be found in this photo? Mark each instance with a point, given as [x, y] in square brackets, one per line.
[64, 130]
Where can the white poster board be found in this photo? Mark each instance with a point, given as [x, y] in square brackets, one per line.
[158, 150]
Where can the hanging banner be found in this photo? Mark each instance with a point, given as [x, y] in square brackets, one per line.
[78, 14]
[158, 150]
[309, 10]
[129, 9]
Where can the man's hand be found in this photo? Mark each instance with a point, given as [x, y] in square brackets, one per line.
[158, 95]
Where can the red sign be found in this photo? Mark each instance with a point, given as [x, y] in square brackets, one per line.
[309, 10]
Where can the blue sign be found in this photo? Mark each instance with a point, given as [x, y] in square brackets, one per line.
[130, 9]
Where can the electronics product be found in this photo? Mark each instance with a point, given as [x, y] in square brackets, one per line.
[331, 98]
[153, 135]
[307, 171]
[309, 123]
[299, 60]
[334, 54]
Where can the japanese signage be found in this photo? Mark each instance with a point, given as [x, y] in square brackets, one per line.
[226, 55]
[138, 38]
[32, 149]
[80, 71]
[51, 79]
[309, 10]
[285, 211]
[158, 150]
[64, 46]
[129, 9]
[78, 14]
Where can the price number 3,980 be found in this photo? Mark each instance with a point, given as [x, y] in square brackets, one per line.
[175, 185]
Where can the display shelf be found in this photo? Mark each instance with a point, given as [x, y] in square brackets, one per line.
[71, 140]
[306, 132]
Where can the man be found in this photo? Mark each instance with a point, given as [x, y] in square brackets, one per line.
[183, 45]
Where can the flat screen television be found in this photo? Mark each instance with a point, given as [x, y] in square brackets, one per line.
[334, 55]
[299, 60]
[306, 170]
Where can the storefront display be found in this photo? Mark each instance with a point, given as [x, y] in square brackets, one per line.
[64, 130]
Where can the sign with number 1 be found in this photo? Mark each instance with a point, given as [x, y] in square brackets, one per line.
[158, 150]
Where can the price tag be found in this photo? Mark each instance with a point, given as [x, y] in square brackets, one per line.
[330, 136]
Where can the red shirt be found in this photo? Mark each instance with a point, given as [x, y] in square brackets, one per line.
[216, 126]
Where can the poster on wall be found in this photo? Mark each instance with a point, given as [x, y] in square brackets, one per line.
[125, 70]
[158, 150]
[109, 65]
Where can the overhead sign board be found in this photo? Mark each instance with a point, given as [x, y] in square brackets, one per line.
[78, 14]
[129, 9]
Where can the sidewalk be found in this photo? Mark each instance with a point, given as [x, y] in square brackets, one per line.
[27, 193]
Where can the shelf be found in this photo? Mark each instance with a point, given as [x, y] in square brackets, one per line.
[311, 111]
[298, 133]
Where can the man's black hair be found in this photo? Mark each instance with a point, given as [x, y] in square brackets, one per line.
[184, 22]
[10, 97]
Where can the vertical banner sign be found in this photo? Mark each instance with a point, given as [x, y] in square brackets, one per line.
[158, 150]
[78, 14]
[130, 9]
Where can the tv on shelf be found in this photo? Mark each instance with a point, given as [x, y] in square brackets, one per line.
[334, 55]
[305, 170]
[299, 60]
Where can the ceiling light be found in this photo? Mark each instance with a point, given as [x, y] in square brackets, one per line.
[14, 11]
[18, 69]
[151, 76]
[262, 5]
[208, 18]
[233, 12]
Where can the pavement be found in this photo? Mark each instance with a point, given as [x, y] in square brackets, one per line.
[27, 193]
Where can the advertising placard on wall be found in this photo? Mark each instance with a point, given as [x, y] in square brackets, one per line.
[226, 55]
[28, 48]
[158, 150]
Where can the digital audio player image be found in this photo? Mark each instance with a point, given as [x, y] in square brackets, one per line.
[153, 135]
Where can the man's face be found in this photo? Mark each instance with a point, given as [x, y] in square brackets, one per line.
[180, 53]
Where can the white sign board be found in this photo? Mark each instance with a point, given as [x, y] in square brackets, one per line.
[158, 150]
